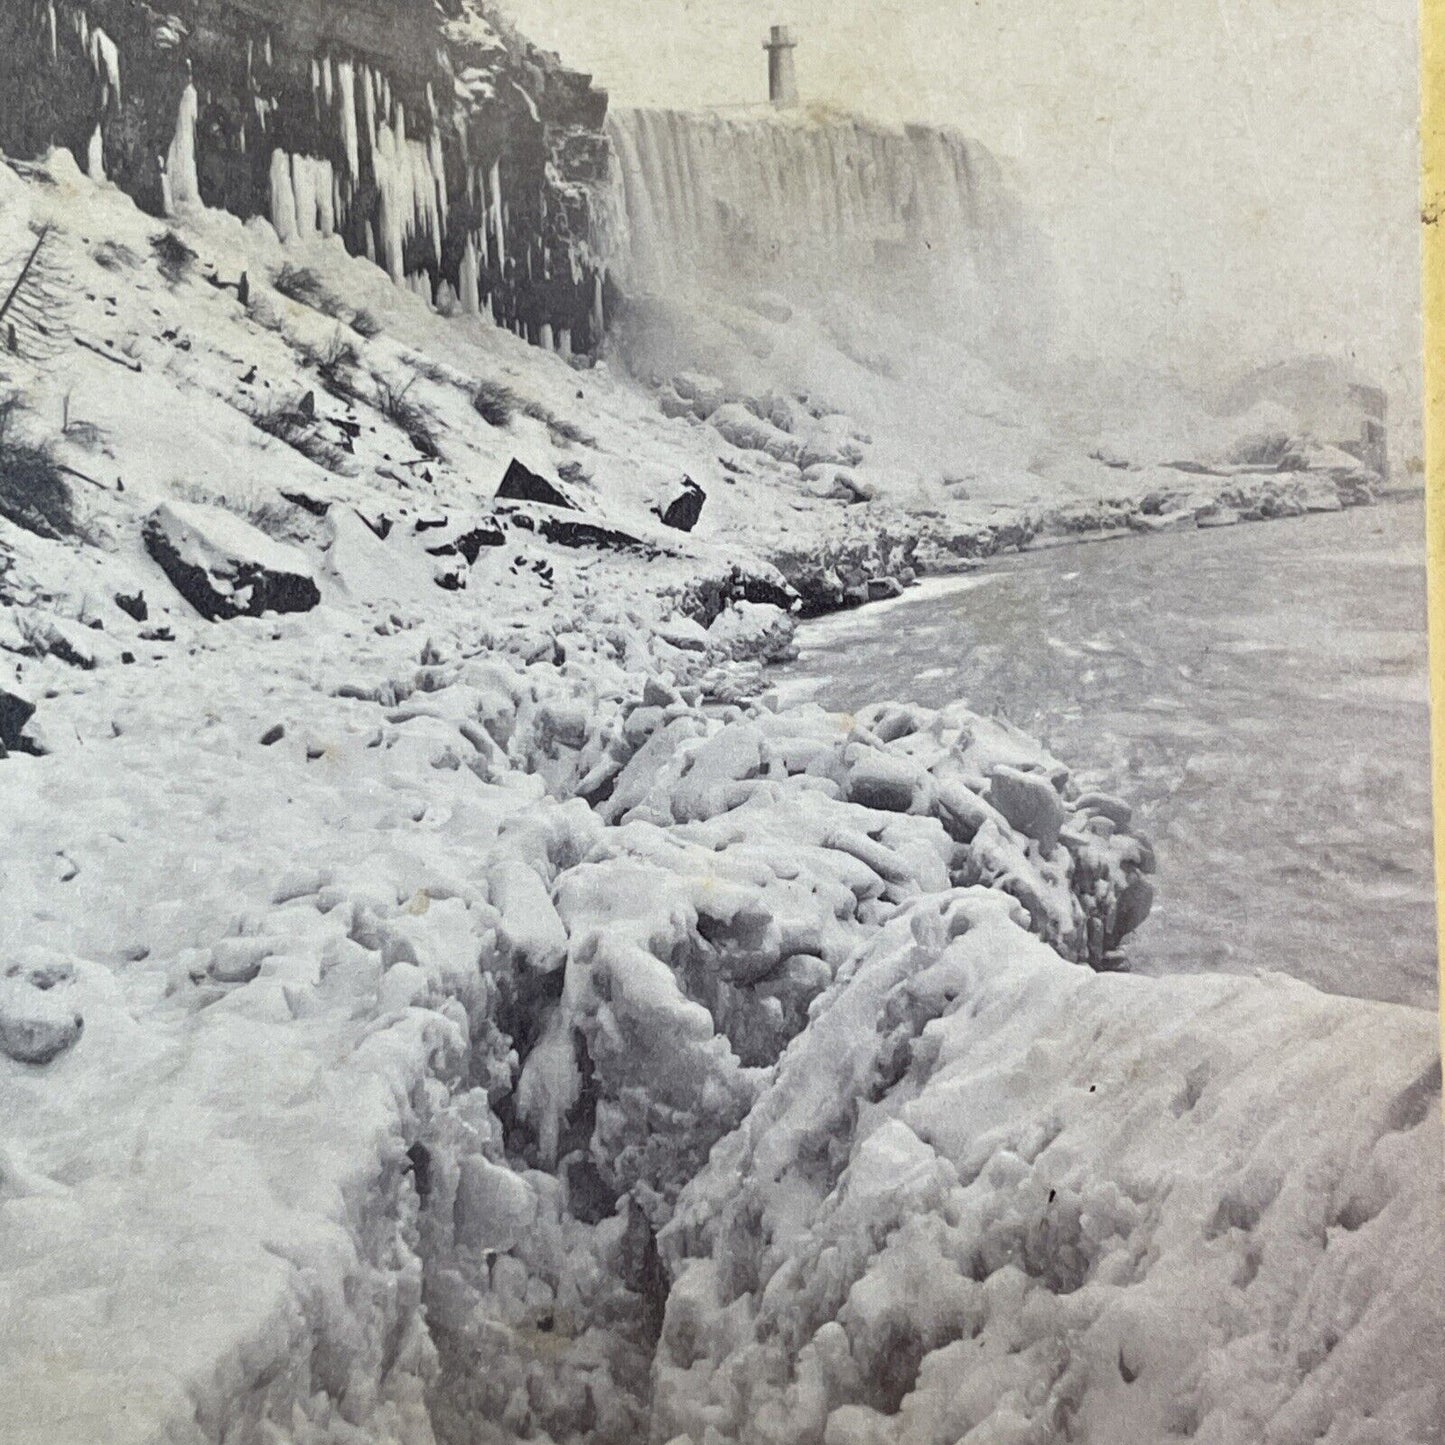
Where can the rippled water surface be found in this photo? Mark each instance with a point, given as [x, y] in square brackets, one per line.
[1259, 693]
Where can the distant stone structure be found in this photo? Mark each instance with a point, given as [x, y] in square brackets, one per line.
[782, 82]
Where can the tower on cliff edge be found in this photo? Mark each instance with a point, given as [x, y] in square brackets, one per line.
[782, 82]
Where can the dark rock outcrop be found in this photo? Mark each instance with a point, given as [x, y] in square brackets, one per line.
[15, 711]
[522, 484]
[684, 509]
[225, 567]
[471, 542]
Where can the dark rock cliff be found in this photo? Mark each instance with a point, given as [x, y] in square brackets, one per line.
[426, 133]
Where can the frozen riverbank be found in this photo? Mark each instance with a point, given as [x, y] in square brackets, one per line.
[419, 1005]
[1259, 693]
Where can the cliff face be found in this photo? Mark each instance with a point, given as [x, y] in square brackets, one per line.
[426, 133]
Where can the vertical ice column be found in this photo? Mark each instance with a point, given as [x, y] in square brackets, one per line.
[470, 266]
[346, 86]
[182, 187]
[283, 196]
[497, 216]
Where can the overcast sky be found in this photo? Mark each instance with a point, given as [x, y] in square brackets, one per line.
[1221, 180]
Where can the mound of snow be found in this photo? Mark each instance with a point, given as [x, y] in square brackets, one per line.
[989, 1197]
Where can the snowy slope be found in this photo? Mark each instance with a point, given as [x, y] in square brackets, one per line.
[479, 972]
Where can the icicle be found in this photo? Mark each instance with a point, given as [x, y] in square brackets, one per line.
[54, 32]
[545, 341]
[106, 59]
[498, 219]
[310, 187]
[346, 85]
[470, 268]
[95, 160]
[369, 106]
[184, 186]
[437, 158]
[283, 196]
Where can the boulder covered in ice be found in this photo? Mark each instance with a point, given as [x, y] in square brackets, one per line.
[987, 1196]
[36, 1024]
[224, 567]
[750, 432]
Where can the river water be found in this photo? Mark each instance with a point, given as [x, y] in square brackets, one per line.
[1259, 693]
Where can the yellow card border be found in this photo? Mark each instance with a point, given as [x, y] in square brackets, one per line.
[1432, 226]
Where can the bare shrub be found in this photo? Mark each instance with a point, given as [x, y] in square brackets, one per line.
[394, 404]
[433, 371]
[83, 433]
[365, 325]
[561, 429]
[33, 491]
[335, 364]
[287, 423]
[114, 256]
[300, 283]
[493, 402]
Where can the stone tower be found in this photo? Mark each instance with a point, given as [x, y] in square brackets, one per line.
[782, 82]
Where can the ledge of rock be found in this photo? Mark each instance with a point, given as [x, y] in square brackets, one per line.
[522, 484]
[224, 567]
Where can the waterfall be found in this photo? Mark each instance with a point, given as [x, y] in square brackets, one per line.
[915, 220]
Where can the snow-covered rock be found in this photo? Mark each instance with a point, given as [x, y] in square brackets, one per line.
[747, 430]
[36, 1025]
[224, 567]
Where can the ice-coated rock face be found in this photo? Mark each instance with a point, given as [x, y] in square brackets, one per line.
[428, 136]
[919, 215]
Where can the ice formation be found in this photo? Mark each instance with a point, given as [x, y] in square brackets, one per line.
[466, 1003]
